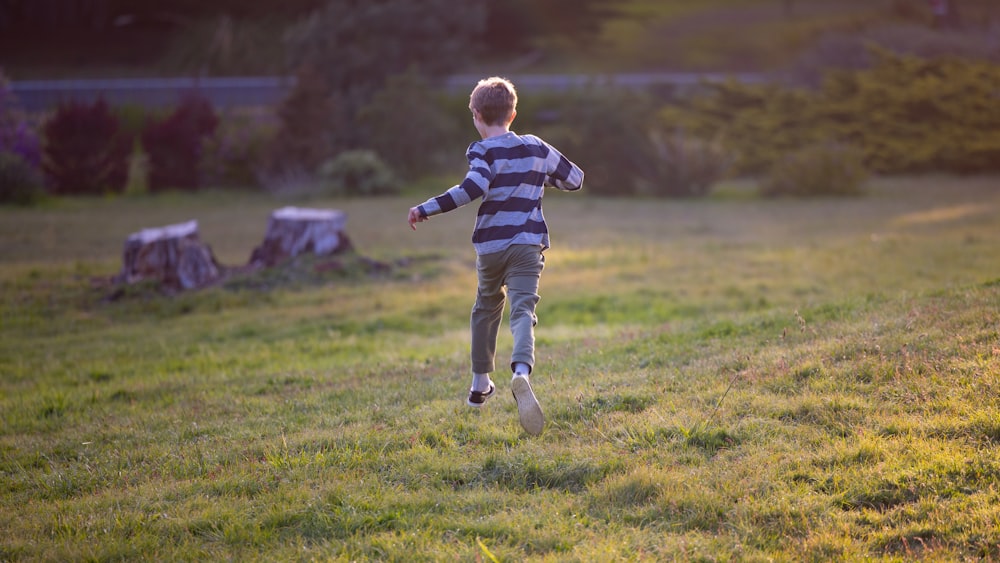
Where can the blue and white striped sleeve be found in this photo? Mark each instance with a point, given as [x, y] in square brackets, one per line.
[561, 173]
[474, 186]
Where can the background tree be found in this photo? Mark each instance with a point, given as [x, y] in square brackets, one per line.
[174, 144]
[415, 138]
[518, 26]
[358, 44]
[102, 14]
[306, 118]
[85, 151]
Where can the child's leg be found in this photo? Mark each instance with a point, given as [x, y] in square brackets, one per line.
[487, 313]
[524, 270]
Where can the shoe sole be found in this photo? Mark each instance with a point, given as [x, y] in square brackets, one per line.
[528, 410]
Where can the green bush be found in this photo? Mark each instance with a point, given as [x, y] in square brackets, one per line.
[233, 154]
[817, 170]
[20, 182]
[606, 133]
[686, 166]
[757, 123]
[905, 115]
[912, 115]
[357, 173]
[409, 125]
[308, 121]
[354, 47]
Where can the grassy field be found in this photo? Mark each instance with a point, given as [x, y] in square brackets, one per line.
[724, 379]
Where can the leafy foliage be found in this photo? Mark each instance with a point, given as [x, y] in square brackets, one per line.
[408, 125]
[16, 134]
[853, 51]
[358, 44]
[174, 144]
[820, 169]
[306, 118]
[904, 114]
[686, 166]
[606, 134]
[514, 26]
[756, 122]
[101, 14]
[912, 115]
[20, 182]
[233, 155]
[358, 173]
[85, 151]
[225, 45]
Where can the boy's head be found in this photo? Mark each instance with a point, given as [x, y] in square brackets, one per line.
[495, 99]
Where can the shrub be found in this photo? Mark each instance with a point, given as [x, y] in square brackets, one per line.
[407, 124]
[233, 155]
[85, 151]
[174, 144]
[912, 115]
[354, 47]
[16, 134]
[853, 51]
[686, 166]
[20, 182]
[359, 172]
[227, 45]
[18, 137]
[817, 170]
[757, 123]
[306, 118]
[904, 114]
[606, 133]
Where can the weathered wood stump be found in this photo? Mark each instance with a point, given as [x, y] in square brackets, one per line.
[173, 255]
[292, 231]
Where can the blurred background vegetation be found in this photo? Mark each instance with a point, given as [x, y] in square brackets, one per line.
[52, 38]
[855, 86]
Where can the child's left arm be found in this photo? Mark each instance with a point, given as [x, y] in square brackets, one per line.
[562, 173]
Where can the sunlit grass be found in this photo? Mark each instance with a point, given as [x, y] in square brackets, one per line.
[723, 379]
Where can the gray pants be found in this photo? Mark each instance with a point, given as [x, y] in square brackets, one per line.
[516, 272]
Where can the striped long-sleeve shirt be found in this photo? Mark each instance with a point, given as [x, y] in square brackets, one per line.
[509, 172]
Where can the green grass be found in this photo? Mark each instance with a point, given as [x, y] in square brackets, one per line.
[726, 379]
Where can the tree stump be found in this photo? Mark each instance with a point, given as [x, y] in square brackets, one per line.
[173, 255]
[292, 231]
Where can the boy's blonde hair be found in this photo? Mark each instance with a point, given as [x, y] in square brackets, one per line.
[495, 99]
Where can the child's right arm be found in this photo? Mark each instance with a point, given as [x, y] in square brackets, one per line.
[415, 217]
[477, 181]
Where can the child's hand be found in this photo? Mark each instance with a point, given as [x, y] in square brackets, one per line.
[415, 217]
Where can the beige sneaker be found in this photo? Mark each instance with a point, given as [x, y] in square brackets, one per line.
[528, 410]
